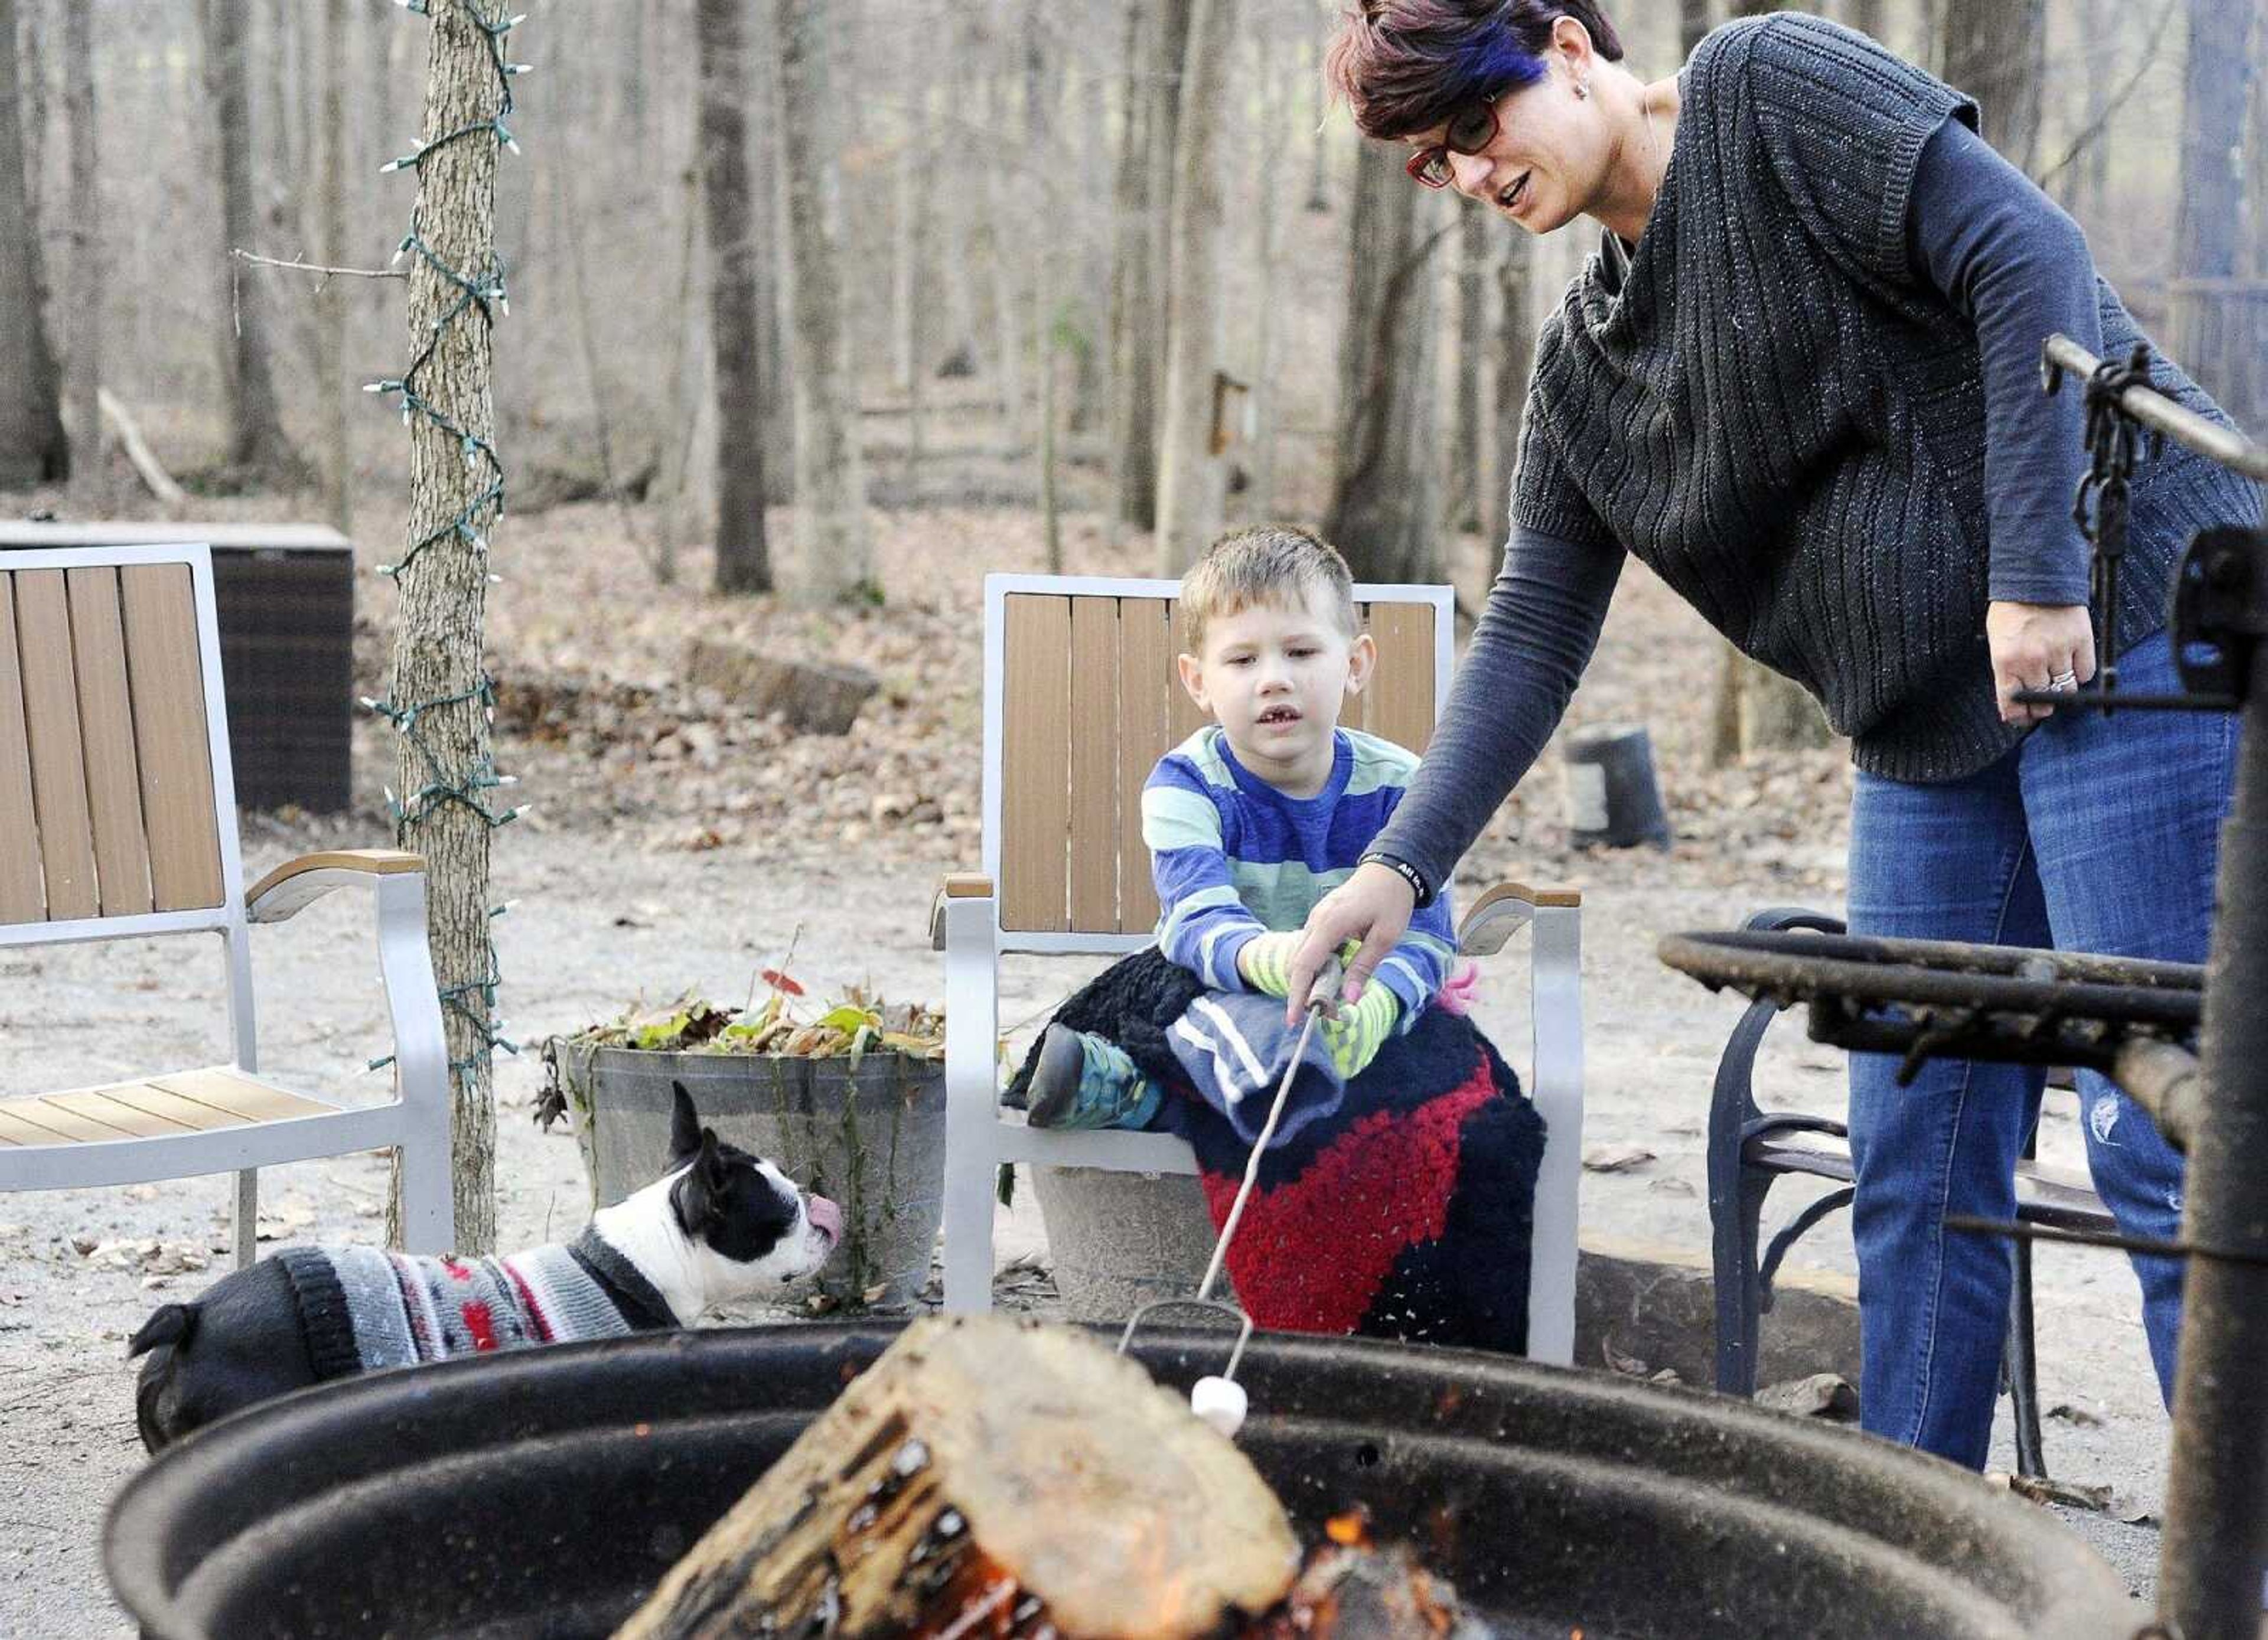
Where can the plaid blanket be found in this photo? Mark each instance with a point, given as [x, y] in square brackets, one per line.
[1405, 1213]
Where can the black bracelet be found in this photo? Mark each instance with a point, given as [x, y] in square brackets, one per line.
[1402, 869]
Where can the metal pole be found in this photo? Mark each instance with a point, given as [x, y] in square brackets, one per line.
[2224, 445]
[2216, 1541]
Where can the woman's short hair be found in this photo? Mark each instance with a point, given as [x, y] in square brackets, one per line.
[1407, 65]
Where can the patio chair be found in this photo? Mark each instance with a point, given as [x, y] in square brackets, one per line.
[1750, 1148]
[1081, 700]
[118, 821]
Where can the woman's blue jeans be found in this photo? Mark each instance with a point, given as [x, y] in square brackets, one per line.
[2094, 834]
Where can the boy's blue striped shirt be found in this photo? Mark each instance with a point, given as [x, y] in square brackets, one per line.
[1234, 858]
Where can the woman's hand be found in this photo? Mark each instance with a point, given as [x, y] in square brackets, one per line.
[2033, 646]
[1372, 906]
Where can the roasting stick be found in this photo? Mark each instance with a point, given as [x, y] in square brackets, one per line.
[1322, 1003]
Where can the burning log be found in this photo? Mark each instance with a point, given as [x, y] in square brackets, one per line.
[990, 1477]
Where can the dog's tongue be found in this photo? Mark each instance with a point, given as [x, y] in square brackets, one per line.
[825, 1215]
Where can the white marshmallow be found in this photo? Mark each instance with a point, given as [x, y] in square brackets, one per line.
[1220, 1402]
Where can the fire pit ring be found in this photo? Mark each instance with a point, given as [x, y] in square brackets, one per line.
[1874, 994]
[544, 1493]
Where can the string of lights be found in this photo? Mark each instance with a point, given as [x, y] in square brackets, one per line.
[479, 294]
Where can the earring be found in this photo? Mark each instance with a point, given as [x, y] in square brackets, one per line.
[1582, 89]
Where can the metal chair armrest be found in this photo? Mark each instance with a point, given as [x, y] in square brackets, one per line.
[294, 885]
[1505, 909]
[956, 886]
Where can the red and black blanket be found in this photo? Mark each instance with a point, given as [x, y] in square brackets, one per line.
[1405, 1213]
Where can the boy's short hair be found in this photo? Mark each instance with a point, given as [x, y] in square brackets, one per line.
[1265, 563]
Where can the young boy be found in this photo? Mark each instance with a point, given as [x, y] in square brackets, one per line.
[1249, 821]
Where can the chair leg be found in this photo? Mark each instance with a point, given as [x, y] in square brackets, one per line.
[429, 1201]
[245, 1217]
[970, 1180]
[1735, 1232]
[2022, 1362]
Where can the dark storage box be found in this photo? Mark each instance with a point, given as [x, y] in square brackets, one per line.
[285, 596]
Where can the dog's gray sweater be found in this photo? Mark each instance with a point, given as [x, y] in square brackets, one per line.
[365, 1307]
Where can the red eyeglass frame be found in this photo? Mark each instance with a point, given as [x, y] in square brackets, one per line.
[1416, 166]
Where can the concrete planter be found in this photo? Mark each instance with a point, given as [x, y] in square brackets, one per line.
[1119, 1240]
[871, 1135]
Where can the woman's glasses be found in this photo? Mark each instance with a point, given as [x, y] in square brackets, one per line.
[1470, 129]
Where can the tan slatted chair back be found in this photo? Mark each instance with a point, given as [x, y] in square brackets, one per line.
[107, 794]
[1082, 698]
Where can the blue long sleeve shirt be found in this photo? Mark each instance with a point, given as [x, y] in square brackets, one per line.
[1234, 858]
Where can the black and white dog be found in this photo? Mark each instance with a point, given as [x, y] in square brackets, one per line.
[719, 1225]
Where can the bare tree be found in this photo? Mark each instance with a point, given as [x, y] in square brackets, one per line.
[2214, 333]
[33, 447]
[438, 671]
[1133, 409]
[833, 559]
[1191, 472]
[1870, 18]
[1470, 284]
[256, 441]
[1383, 509]
[1694, 19]
[743, 554]
[1516, 356]
[84, 384]
[331, 300]
[1996, 50]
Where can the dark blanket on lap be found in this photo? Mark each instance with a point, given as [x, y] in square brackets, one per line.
[1406, 1214]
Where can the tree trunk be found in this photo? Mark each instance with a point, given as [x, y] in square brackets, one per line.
[33, 447]
[953, 182]
[833, 560]
[1051, 317]
[1168, 53]
[1694, 19]
[90, 472]
[1191, 473]
[1870, 18]
[2216, 333]
[743, 555]
[255, 430]
[439, 669]
[1133, 458]
[1463, 510]
[332, 299]
[1996, 50]
[1275, 72]
[1757, 8]
[1515, 356]
[1383, 507]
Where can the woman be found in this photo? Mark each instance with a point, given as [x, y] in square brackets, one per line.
[1800, 379]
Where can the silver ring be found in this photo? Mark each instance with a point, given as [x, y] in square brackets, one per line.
[2064, 680]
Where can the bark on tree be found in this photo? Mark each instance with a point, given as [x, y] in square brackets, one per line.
[1996, 50]
[2216, 330]
[832, 557]
[1463, 510]
[33, 447]
[1384, 507]
[1133, 414]
[440, 639]
[1514, 359]
[743, 554]
[1694, 19]
[256, 441]
[1191, 475]
[1870, 18]
[1276, 71]
[331, 299]
[90, 472]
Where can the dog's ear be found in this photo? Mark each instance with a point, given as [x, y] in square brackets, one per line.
[699, 1195]
[684, 1123]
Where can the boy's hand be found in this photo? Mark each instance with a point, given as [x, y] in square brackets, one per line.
[1354, 1034]
[1372, 906]
[1265, 963]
